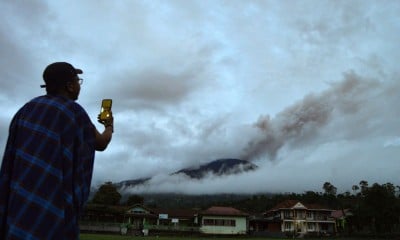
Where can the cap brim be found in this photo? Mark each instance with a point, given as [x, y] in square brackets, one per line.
[77, 71]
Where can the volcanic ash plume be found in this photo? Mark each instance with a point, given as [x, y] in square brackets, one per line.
[302, 121]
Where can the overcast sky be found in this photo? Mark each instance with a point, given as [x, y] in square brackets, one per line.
[307, 90]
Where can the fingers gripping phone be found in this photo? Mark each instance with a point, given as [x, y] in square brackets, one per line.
[105, 111]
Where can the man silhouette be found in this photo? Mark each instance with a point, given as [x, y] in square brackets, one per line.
[47, 165]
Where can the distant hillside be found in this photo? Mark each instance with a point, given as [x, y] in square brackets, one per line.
[218, 168]
[132, 183]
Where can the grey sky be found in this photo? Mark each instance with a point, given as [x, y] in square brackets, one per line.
[308, 90]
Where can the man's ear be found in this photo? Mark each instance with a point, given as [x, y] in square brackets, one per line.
[69, 87]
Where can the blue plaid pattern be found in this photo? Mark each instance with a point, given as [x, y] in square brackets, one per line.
[46, 170]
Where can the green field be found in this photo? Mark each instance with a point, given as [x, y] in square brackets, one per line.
[86, 236]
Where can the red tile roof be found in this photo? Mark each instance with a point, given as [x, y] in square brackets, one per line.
[288, 204]
[223, 211]
[341, 213]
[285, 204]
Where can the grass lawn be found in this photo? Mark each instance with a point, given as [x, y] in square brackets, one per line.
[91, 236]
[87, 236]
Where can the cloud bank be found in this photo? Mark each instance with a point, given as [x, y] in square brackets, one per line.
[306, 90]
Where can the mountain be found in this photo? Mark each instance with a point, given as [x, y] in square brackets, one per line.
[132, 183]
[218, 167]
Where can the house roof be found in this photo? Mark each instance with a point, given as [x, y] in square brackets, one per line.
[295, 204]
[140, 211]
[223, 211]
[285, 205]
[341, 213]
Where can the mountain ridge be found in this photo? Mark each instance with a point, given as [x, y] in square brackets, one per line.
[219, 167]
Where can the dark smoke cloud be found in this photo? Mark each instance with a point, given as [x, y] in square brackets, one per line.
[302, 122]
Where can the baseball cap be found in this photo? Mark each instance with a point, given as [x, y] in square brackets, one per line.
[59, 72]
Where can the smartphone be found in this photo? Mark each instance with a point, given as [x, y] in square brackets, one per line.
[105, 109]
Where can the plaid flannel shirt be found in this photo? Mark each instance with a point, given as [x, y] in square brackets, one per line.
[46, 170]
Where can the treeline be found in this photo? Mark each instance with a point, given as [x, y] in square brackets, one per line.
[375, 207]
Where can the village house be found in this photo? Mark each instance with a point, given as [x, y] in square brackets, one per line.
[140, 220]
[223, 220]
[288, 217]
[343, 220]
[294, 217]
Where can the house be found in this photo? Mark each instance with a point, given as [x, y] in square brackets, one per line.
[137, 219]
[292, 216]
[343, 220]
[287, 217]
[223, 220]
[138, 216]
[161, 220]
[215, 220]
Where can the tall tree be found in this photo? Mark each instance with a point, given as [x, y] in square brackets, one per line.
[134, 199]
[363, 186]
[329, 188]
[380, 200]
[107, 195]
[355, 188]
[311, 197]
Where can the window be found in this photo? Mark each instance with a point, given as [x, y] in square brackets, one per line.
[287, 214]
[209, 222]
[288, 226]
[219, 222]
[310, 226]
[300, 214]
[231, 223]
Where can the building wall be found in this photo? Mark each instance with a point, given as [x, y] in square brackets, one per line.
[305, 221]
[222, 225]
